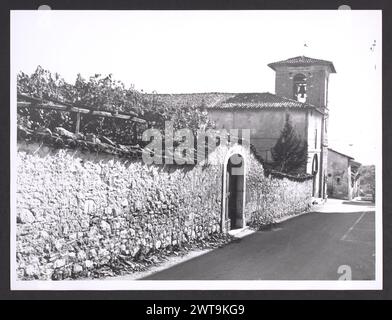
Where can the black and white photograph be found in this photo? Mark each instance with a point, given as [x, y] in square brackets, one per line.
[196, 150]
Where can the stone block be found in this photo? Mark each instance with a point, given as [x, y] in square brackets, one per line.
[25, 216]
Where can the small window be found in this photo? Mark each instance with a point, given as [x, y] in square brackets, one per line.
[315, 138]
[338, 180]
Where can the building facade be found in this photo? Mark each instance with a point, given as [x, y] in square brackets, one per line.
[339, 175]
[343, 176]
[301, 92]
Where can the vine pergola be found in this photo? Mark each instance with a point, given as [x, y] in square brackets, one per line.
[26, 101]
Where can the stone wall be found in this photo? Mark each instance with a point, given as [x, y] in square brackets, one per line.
[77, 211]
[269, 199]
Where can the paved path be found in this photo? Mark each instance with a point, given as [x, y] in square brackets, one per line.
[308, 247]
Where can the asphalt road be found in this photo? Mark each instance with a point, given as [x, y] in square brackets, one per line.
[309, 247]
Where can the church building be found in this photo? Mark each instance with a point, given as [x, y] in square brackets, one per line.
[301, 92]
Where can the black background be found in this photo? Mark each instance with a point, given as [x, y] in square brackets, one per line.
[5, 292]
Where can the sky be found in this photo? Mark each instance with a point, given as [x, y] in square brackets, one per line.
[216, 51]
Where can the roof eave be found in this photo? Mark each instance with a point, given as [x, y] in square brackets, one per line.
[318, 109]
[273, 65]
[304, 108]
[345, 155]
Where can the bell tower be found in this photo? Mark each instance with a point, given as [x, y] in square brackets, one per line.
[303, 79]
[306, 80]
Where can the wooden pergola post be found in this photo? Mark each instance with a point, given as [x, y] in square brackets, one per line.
[77, 122]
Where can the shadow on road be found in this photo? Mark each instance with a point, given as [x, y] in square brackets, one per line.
[309, 247]
[358, 203]
[348, 212]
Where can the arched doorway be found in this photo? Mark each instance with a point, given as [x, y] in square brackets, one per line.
[234, 193]
[314, 173]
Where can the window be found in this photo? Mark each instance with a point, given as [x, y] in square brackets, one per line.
[338, 180]
[315, 164]
[315, 138]
[300, 87]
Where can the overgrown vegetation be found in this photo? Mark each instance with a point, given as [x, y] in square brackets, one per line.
[106, 94]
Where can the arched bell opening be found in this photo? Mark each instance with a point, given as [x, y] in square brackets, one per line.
[300, 87]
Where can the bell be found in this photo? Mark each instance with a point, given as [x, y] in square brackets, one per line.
[302, 91]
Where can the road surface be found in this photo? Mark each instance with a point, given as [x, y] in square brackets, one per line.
[309, 247]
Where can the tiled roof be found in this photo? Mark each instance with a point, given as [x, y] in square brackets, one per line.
[342, 154]
[209, 99]
[217, 100]
[302, 61]
[259, 101]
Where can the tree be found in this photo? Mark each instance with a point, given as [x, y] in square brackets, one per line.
[290, 151]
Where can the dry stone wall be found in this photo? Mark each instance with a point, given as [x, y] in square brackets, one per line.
[269, 199]
[77, 211]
